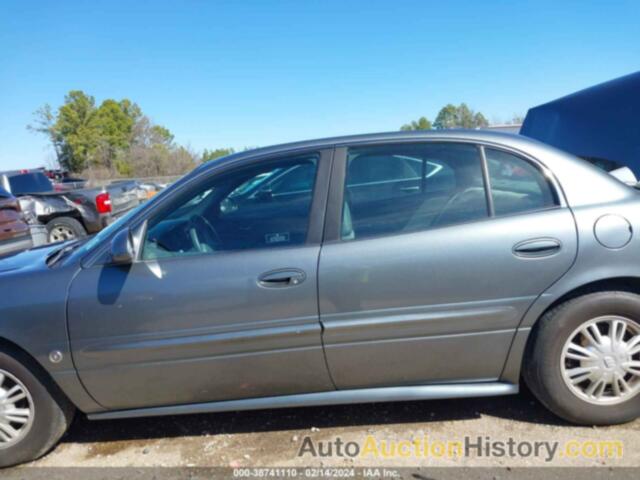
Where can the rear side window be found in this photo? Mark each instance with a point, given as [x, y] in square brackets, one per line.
[411, 187]
[370, 168]
[516, 185]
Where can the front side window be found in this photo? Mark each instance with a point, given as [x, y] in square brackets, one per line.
[516, 185]
[405, 188]
[246, 209]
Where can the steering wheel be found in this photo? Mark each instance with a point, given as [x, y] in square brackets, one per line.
[203, 236]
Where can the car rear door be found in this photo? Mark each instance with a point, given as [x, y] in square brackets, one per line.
[429, 284]
[231, 315]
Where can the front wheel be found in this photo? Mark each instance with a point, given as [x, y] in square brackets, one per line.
[33, 413]
[583, 360]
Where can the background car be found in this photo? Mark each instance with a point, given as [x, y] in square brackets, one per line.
[14, 231]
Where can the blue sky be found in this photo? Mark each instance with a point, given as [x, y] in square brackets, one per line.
[249, 73]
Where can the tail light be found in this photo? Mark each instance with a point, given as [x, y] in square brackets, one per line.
[103, 202]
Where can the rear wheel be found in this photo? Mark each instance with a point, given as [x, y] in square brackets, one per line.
[583, 360]
[33, 413]
[63, 229]
[598, 362]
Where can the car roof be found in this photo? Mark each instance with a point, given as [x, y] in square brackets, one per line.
[482, 136]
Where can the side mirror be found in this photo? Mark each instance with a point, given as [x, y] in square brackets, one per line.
[122, 252]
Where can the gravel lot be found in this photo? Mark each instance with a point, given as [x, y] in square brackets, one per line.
[274, 438]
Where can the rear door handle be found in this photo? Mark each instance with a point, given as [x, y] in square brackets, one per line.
[286, 277]
[537, 247]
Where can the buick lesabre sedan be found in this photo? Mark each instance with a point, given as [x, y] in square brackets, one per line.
[371, 268]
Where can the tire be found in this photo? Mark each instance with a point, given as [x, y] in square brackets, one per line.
[550, 374]
[51, 413]
[63, 229]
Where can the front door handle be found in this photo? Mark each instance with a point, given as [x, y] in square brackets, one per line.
[537, 247]
[286, 277]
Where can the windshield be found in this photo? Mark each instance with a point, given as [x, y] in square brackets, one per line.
[35, 182]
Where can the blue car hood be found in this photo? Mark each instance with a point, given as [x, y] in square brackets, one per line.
[33, 259]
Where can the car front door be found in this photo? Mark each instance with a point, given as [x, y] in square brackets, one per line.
[428, 283]
[220, 303]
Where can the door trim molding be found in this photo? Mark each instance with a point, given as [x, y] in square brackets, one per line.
[338, 397]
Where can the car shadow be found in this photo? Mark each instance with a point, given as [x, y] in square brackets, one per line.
[522, 407]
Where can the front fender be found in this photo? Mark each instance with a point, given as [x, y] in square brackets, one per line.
[33, 317]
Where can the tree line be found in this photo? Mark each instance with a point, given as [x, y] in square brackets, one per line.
[116, 139]
[450, 116]
[113, 139]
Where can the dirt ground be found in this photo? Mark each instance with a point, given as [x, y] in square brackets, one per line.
[275, 438]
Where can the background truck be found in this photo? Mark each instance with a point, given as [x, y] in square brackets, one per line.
[72, 213]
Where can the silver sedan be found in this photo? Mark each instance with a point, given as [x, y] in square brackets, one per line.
[372, 268]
